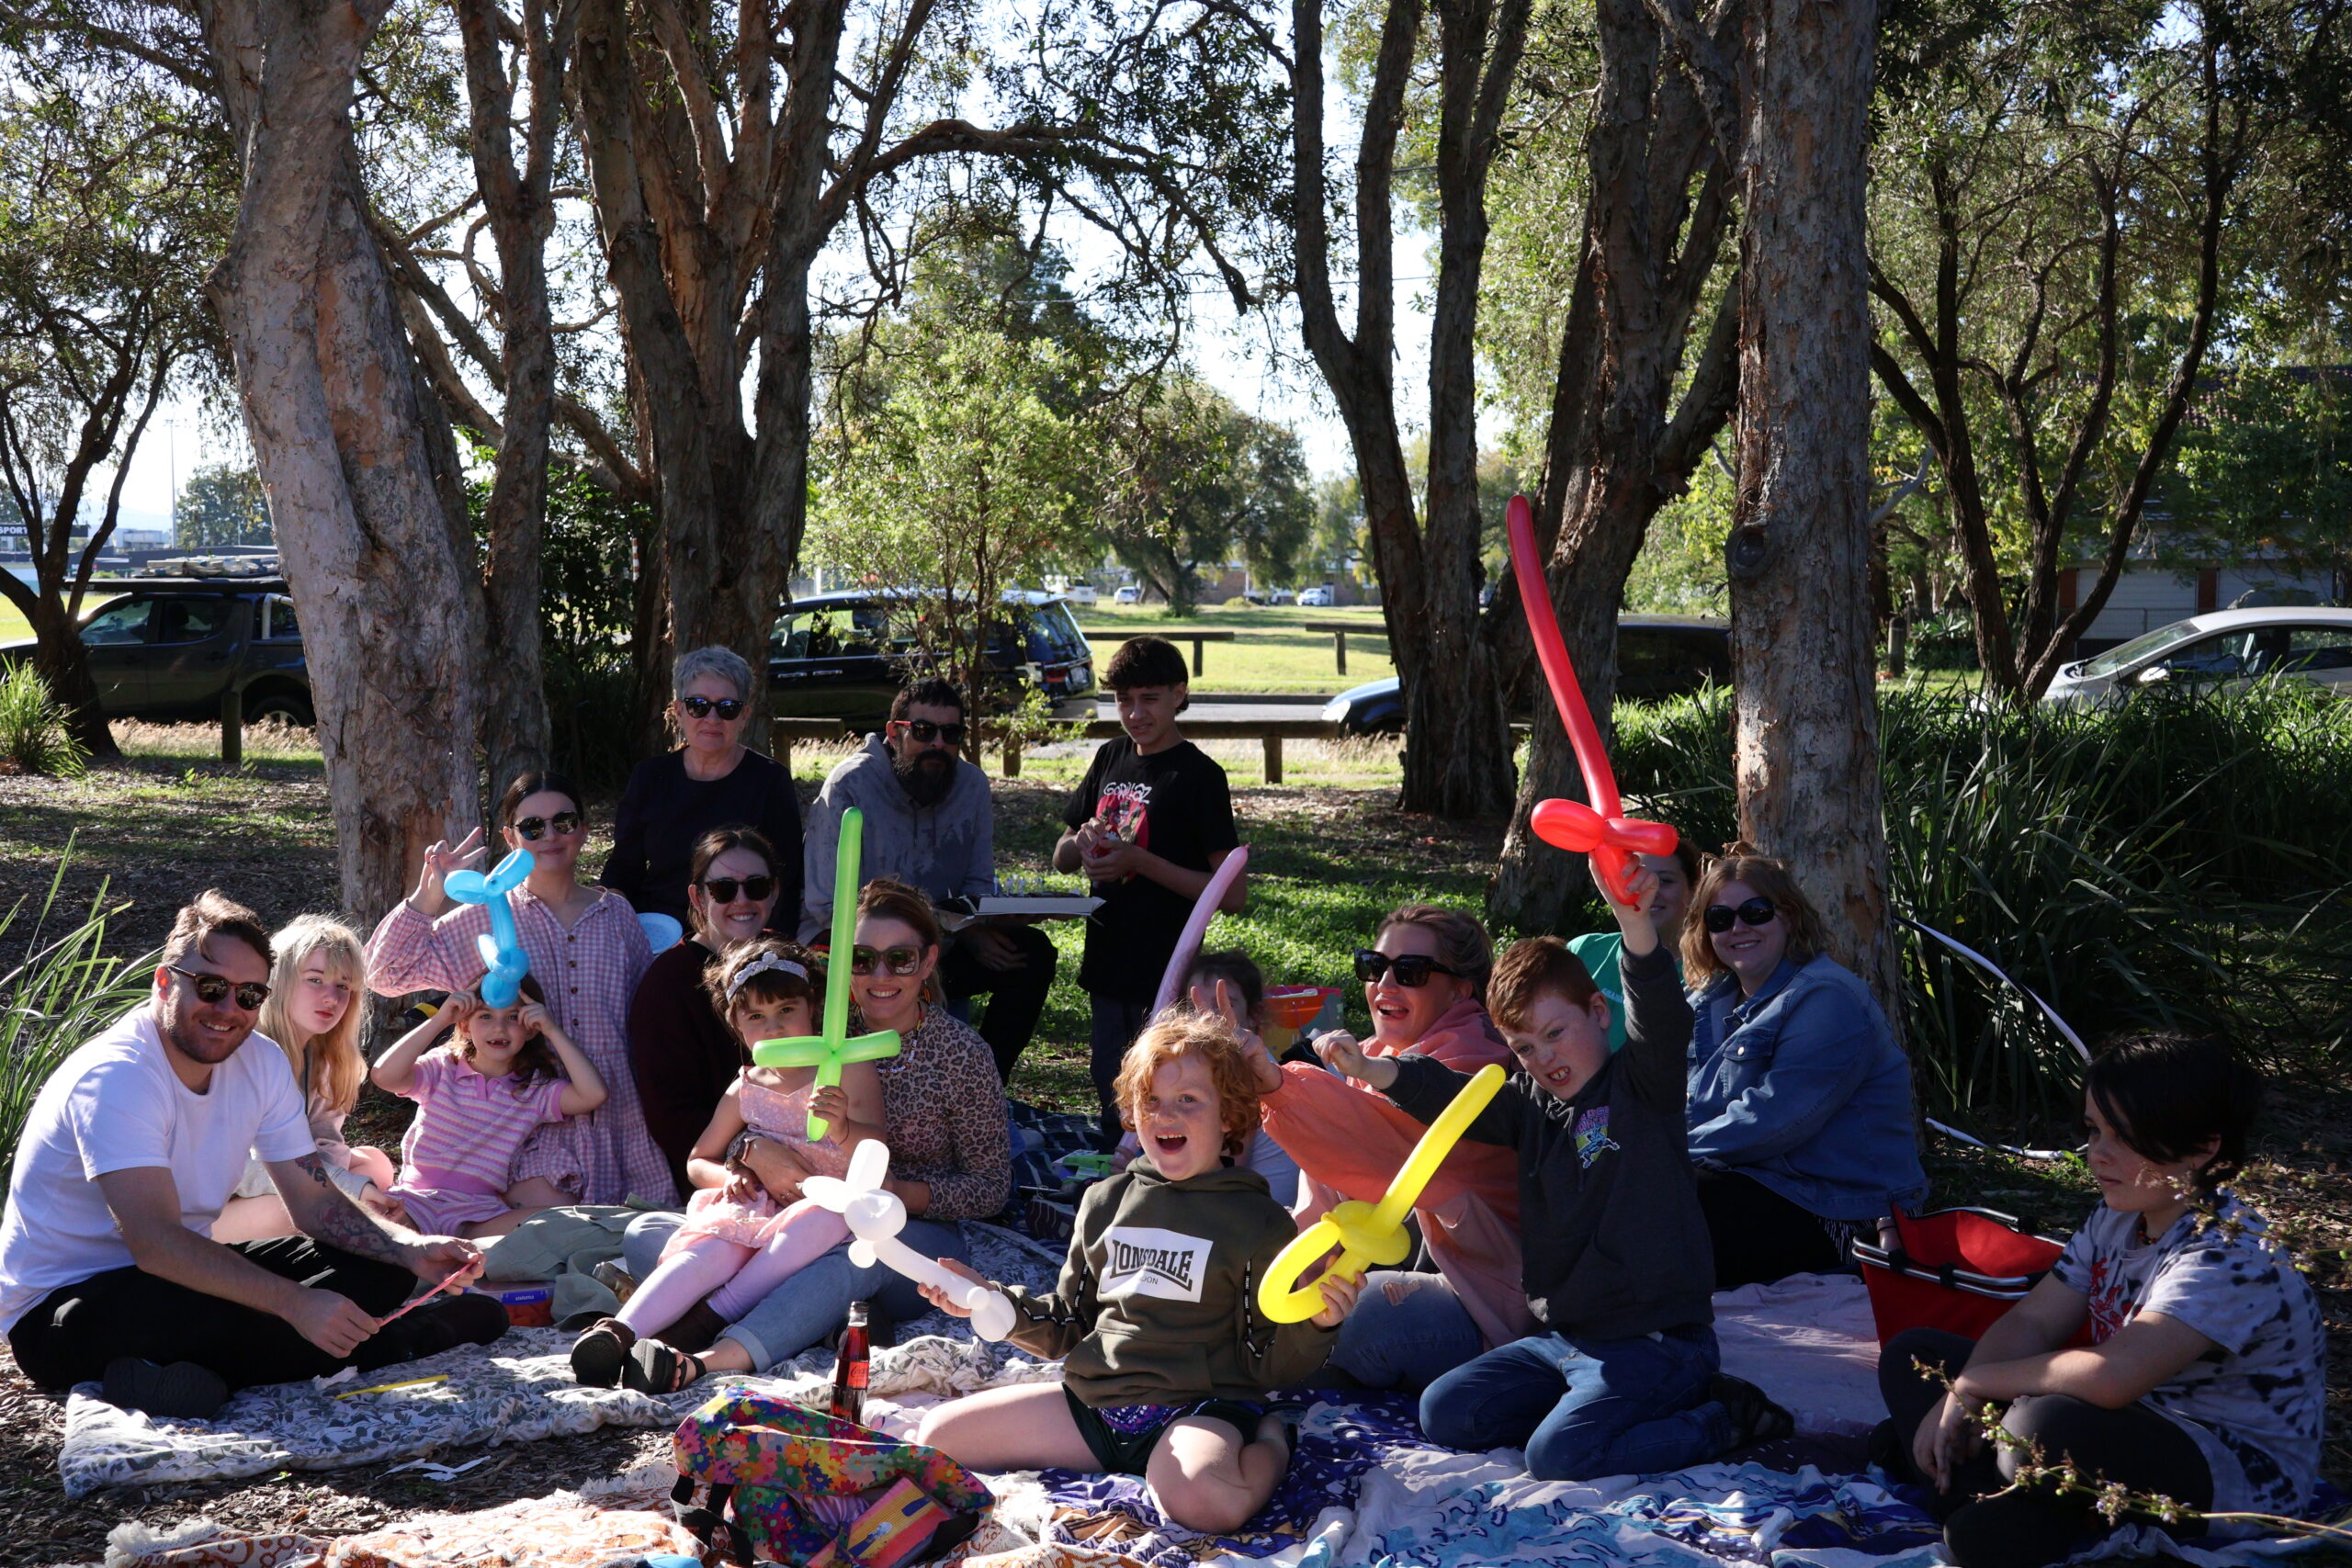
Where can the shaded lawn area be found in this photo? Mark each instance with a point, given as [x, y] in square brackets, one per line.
[1325, 863]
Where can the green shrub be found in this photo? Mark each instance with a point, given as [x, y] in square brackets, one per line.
[65, 991]
[2174, 861]
[34, 735]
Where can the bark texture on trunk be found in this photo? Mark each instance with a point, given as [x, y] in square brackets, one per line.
[354, 453]
[1618, 446]
[1806, 740]
[1458, 750]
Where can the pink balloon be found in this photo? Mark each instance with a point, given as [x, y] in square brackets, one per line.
[1187, 946]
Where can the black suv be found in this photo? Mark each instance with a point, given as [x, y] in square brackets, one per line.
[839, 656]
[1657, 657]
[167, 648]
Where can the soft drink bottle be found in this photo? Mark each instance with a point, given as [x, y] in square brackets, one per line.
[850, 1369]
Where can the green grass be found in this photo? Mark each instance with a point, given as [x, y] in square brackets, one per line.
[14, 627]
[1275, 650]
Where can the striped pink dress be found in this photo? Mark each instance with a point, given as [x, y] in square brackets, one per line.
[589, 972]
[459, 1155]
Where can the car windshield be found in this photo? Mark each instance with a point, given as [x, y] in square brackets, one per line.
[1054, 635]
[2124, 655]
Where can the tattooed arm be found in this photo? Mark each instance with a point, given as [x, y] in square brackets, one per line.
[321, 1212]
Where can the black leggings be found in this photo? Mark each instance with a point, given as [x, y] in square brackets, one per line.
[1760, 1235]
[70, 1334]
[2134, 1445]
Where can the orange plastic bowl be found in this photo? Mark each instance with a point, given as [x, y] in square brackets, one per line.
[1293, 1007]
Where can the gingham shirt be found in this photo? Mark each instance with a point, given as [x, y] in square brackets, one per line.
[589, 974]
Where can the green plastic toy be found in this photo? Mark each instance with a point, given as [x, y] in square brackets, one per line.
[830, 1052]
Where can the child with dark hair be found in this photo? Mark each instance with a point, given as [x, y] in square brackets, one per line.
[1148, 825]
[1228, 982]
[2204, 1380]
[511, 1071]
[1623, 1375]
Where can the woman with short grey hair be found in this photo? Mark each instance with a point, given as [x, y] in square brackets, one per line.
[712, 781]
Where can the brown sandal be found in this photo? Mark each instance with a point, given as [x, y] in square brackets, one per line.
[601, 1352]
[655, 1368]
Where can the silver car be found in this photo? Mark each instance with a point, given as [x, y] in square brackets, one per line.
[2220, 646]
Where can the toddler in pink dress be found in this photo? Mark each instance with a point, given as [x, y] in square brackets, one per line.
[739, 1242]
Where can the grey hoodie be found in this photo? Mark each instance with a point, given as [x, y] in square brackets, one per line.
[946, 849]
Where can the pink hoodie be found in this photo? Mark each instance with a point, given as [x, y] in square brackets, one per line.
[1350, 1142]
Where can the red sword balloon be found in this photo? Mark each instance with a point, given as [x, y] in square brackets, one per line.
[1600, 829]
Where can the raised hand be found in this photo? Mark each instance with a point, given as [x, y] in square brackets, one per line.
[1221, 1002]
[441, 858]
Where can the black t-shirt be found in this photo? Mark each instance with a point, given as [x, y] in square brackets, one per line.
[663, 813]
[1175, 804]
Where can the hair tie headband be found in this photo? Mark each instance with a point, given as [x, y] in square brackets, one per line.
[760, 965]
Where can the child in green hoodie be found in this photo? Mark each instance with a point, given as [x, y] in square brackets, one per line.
[1167, 1357]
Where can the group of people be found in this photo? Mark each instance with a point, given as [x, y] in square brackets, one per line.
[1699, 1099]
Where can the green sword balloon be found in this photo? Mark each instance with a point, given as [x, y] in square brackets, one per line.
[830, 1052]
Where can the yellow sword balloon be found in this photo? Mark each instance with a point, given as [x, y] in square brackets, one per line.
[1366, 1234]
[832, 1050]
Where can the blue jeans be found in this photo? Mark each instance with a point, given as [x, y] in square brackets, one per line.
[806, 1308]
[1585, 1408]
[1111, 1029]
[1408, 1344]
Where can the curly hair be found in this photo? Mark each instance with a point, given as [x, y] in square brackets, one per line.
[1808, 939]
[1176, 1034]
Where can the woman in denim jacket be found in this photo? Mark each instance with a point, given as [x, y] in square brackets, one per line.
[1800, 1119]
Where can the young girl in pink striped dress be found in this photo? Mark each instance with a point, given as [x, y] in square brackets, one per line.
[509, 1072]
[738, 1243]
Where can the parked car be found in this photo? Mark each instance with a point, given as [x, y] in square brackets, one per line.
[1281, 596]
[1131, 593]
[1316, 598]
[168, 648]
[2311, 644]
[838, 656]
[1077, 590]
[1657, 656]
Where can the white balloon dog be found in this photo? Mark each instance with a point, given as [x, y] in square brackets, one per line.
[875, 1215]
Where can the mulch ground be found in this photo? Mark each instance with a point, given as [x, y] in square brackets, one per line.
[149, 834]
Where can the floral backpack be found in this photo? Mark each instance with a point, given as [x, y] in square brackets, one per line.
[787, 1484]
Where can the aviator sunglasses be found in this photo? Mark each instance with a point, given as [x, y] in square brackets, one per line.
[728, 708]
[897, 960]
[1413, 969]
[926, 732]
[536, 827]
[722, 889]
[1755, 912]
[211, 989]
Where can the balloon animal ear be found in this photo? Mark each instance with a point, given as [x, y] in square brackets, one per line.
[870, 1166]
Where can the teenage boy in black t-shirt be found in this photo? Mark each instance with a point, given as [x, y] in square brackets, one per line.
[1150, 823]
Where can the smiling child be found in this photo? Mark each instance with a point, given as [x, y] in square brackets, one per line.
[1167, 1358]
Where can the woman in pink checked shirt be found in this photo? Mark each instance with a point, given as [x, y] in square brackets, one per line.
[586, 951]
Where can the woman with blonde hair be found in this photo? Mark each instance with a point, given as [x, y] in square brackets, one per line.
[1800, 1099]
[313, 1015]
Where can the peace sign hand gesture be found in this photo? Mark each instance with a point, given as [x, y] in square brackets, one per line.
[440, 860]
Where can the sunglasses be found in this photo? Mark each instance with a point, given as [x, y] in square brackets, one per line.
[1413, 969]
[926, 732]
[723, 889]
[537, 827]
[897, 960]
[1755, 912]
[728, 708]
[211, 989]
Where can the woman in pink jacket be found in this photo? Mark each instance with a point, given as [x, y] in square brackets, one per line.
[1424, 983]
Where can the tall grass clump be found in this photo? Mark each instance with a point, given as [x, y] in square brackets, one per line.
[2177, 860]
[34, 735]
[65, 990]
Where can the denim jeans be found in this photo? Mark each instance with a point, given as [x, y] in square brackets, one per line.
[1408, 1343]
[1585, 1408]
[806, 1308]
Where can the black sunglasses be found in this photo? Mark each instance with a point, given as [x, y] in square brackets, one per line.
[537, 827]
[897, 960]
[1755, 912]
[1413, 969]
[728, 708]
[926, 732]
[722, 889]
[211, 989]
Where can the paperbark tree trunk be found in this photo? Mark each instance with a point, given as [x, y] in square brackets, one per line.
[1619, 448]
[1804, 660]
[352, 448]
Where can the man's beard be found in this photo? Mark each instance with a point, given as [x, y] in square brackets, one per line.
[193, 1043]
[928, 778]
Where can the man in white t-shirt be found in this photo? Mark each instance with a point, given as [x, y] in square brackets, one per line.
[107, 1270]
